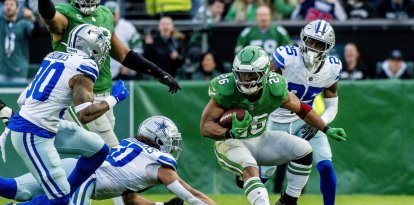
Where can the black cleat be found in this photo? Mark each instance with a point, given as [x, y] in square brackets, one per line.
[287, 200]
[174, 201]
[239, 181]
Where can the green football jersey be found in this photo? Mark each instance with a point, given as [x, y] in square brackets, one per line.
[274, 37]
[224, 91]
[102, 18]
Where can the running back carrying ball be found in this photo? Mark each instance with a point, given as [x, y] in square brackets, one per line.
[226, 119]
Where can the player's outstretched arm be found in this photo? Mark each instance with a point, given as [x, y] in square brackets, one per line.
[173, 182]
[208, 125]
[306, 112]
[137, 62]
[331, 103]
[55, 21]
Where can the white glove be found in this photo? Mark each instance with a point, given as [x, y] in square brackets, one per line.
[5, 114]
[3, 138]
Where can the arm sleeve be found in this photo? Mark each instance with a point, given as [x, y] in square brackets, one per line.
[183, 193]
[137, 62]
[47, 9]
[331, 109]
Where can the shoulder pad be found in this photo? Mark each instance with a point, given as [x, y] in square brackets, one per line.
[88, 68]
[335, 66]
[245, 32]
[166, 160]
[222, 85]
[277, 84]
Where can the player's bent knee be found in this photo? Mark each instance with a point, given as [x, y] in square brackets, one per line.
[302, 148]
[305, 160]
[325, 165]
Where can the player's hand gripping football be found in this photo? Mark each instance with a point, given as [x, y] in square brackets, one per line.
[240, 127]
[166, 79]
[337, 134]
[308, 132]
[119, 91]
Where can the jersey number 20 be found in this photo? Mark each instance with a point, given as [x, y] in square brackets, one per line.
[45, 80]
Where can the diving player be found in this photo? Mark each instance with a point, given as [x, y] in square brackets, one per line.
[309, 71]
[62, 18]
[135, 165]
[247, 145]
[36, 134]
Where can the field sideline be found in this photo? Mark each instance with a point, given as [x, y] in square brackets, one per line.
[304, 200]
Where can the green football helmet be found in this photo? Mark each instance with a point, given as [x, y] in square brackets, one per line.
[249, 66]
[87, 7]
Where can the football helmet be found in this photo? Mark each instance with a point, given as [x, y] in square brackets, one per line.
[88, 40]
[162, 131]
[249, 66]
[317, 39]
[87, 7]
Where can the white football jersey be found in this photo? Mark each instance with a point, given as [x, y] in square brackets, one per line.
[132, 166]
[304, 84]
[49, 94]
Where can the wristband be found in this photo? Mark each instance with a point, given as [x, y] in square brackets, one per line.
[325, 129]
[111, 100]
[82, 106]
[304, 110]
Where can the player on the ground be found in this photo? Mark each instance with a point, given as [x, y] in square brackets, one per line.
[248, 144]
[62, 19]
[309, 71]
[36, 134]
[133, 166]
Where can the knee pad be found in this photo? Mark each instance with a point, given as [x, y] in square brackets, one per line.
[306, 160]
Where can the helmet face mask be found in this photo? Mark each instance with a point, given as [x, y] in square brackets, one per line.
[90, 41]
[249, 68]
[87, 7]
[163, 132]
[316, 41]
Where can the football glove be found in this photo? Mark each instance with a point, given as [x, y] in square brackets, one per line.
[308, 132]
[238, 128]
[3, 138]
[119, 91]
[5, 112]
[174, 201]
[337, 134]
[166, 79]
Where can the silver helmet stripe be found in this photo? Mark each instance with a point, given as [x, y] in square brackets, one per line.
[73, 41]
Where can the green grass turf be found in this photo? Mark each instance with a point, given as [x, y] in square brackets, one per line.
[304, 200]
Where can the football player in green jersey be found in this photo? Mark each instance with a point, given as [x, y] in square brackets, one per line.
[241, 149]
[61, 19]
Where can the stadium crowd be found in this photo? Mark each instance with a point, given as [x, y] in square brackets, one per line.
[182, 53]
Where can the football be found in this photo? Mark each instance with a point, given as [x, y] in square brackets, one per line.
[226, 120]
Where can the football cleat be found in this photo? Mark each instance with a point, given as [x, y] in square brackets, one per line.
[174, 201]
[286, 200]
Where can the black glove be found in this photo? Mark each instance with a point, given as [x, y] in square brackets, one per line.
[166, 79]
[174, 201]
[308, 132]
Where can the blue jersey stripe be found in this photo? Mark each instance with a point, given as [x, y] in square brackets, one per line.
[20, 124]
[86, 189]
[167, 162]
[90, 69]
[278, 60]
[87, 74]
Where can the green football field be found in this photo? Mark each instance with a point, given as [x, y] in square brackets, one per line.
[304, 200]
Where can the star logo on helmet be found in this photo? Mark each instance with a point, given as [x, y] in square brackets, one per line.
[162, 127]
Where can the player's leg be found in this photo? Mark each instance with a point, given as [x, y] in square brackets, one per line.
[235, 157]
[83, 194]
[101, 126]
[42, 159]
[72, 139]
[277, 148]
[322, 156]
[25, 187]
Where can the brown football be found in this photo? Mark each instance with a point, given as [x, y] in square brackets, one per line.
[226, 120]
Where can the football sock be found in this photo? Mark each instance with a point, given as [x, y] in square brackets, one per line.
[118, 201]
[8, 188]
[256, 191]
[328, 181]
[297, 176]
[43, 200]
[85, 167]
